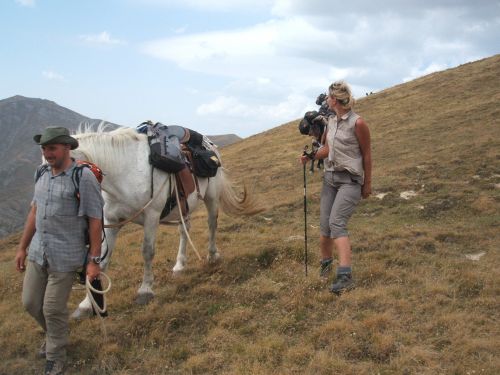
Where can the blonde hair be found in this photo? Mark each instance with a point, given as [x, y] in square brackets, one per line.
[341, 91]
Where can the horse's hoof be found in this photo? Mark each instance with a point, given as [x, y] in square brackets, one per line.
[178, 268]
[80, 314]
[144, 298]
[214, 258]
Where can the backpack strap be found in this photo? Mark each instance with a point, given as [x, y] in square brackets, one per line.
[76, 177]
[40, 171]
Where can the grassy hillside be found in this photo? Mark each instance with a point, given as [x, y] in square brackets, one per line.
[421, 305]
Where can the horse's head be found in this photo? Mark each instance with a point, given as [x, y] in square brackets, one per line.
[312, 124]
[316, 130]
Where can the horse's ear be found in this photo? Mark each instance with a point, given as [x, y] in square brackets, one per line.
[304, 126]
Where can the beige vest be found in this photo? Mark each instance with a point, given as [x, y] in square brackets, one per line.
[344, 152]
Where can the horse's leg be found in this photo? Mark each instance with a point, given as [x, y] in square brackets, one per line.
[212, 204]
[84, 309]
[180, 264]
[145, 293]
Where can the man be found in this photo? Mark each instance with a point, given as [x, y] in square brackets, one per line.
[58, 229]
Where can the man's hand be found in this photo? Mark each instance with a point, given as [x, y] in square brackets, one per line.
[28, 233]
[93, 271]
[20, 260]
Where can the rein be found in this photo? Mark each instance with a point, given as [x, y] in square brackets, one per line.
[182, 219]
[133, 217]
[89, 289]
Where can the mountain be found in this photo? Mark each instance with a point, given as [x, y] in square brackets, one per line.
[20, 119]
[425, 259]
[224, 140]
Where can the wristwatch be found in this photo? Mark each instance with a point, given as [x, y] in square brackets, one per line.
[96, 259]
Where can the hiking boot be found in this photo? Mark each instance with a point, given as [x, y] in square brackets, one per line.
[325, 268]
[343, 283]
[54, 367]
[42, 352]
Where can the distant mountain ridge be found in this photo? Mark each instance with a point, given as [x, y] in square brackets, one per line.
[225, 139]
[20, 119]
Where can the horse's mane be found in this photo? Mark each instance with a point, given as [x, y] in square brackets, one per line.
[107, 148]
[117, 137]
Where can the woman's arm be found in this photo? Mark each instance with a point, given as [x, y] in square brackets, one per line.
[363, 135]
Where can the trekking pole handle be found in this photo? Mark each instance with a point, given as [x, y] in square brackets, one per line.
[310, 155]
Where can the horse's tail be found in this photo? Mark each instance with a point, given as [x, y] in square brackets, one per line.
[232, 204]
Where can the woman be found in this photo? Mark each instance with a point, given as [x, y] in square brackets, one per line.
[347, 178]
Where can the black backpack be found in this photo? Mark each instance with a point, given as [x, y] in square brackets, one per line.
[165, 149]
[205, 162]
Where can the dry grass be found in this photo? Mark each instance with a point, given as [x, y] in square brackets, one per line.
[421, 307]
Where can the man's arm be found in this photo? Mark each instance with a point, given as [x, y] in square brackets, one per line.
[95, 230]
[91, 206]
[28, 233]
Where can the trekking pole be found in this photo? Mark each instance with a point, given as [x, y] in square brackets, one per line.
[305, 212]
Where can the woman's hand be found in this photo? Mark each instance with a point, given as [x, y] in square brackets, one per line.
[366, 190]
[304, 159]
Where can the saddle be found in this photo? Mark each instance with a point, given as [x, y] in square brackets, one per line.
[183, 152]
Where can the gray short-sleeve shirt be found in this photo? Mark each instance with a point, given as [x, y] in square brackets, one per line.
[60, 240]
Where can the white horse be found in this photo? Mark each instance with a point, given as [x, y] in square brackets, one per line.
[130, 184]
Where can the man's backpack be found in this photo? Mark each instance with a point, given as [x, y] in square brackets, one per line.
[76, 175]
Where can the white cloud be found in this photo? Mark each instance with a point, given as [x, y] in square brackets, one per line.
[212, 5]
[292, 106]
[103, 38]
[180, 30]
[419, 72]
[278, 67]
[210, 51]
[26, 3]
[53, 76]
[266, 52]
[223, 105]
[263, 80]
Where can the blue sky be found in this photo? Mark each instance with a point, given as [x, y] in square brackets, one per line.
[228, 66]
